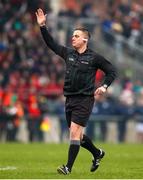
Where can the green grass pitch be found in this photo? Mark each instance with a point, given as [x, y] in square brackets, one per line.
[40, 161]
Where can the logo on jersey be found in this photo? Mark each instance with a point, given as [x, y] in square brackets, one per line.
[84, 62]
[71, 59]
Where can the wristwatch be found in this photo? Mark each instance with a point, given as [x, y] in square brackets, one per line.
[105, 86]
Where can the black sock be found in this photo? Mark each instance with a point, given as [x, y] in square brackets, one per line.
[87, 144]
[73, 151]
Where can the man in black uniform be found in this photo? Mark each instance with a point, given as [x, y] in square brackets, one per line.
[79, 89]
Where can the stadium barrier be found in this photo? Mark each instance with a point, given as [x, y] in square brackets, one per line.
[100, 127]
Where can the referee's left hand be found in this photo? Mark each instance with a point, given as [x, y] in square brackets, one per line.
[100, 91]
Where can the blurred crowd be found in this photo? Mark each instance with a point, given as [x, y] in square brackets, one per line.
[124, 17]
[32, 76]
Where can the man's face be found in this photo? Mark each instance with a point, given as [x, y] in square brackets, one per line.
[77, 39]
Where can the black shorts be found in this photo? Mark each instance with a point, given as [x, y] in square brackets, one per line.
[78, 109]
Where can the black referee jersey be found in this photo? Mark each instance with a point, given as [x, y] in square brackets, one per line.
[80, 68]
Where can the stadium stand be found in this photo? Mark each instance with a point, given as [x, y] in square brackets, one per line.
[31, 76]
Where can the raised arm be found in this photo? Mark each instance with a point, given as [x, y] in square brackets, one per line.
[54, 46]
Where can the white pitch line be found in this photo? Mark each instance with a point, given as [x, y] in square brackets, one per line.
[8, 168]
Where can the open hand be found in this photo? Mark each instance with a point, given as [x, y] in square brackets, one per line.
[41, 17]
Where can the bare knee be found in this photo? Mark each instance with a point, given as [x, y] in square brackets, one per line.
[75, 131]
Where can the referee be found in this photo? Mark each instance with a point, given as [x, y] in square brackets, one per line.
[79, 88]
